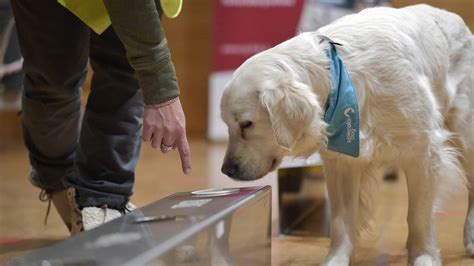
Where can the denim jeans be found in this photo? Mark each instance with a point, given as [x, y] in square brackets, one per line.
[9, 51]
[96, 151]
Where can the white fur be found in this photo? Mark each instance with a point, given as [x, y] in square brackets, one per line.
[412, 69]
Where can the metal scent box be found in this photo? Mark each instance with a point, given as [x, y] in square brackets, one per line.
[214, 227]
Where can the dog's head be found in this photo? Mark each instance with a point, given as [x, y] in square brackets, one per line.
[270, 113]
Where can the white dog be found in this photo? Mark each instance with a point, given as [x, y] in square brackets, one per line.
[412, 70]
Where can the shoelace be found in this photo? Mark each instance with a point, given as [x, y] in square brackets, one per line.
[104, 208]
[43, 197]
[126, 209]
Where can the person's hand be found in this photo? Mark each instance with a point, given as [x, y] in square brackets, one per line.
[165, 127]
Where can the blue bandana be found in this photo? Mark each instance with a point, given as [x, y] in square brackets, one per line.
[342, 113]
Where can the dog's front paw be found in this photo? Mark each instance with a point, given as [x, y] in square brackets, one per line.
[336, 261]
[426, 260]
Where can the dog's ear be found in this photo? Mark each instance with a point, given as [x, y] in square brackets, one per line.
[291, 106]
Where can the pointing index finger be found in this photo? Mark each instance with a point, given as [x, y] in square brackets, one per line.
[184, 153]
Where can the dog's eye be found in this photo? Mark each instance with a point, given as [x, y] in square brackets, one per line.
[245, 124]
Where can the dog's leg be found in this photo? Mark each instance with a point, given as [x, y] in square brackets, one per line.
[469, 224]
[460, 120]
[421, 244]
[343, 184]
[435, 171]
[466, 145]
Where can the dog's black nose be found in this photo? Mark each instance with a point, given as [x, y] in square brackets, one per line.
[229, 168]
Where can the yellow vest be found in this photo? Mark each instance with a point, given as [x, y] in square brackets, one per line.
[94, 14]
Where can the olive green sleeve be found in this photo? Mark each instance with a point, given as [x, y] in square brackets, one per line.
[138, 25]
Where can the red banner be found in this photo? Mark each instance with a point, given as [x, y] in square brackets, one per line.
[246, 27]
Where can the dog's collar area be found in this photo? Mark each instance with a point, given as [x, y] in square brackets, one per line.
[342, 109]
[323, 38]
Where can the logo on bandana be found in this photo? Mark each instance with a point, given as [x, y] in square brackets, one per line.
[347, 111]
[350, 135]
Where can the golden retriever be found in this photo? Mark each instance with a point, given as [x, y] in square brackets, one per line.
[412, 70]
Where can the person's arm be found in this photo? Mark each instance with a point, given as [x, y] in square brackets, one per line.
[137, 24]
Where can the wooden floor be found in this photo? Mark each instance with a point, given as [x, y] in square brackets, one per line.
[22, 214]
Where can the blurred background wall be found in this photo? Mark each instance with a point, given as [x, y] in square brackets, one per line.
[190, 39]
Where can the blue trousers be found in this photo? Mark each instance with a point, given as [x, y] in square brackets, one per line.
[95, 151]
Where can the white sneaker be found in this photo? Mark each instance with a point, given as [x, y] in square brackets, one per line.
[92, 217]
